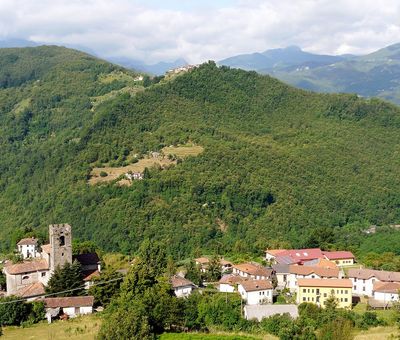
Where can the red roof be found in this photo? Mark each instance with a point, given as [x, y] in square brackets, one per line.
[31, 290]
[27, 267]
[301, 255]
[255, 285]
[177, 281]
[28, 241]
[72, 301]
[334, 283]
[338, 255]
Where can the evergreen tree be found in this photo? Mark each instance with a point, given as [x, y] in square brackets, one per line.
[66, 278]
[103, 293]
[214, 271]
[193, 273]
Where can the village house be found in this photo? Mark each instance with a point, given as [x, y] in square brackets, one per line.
[28, 248]
[72, 306]
[363, 279]
[288, 275]
[319, 290]
[387, 292]
[341, 258]
[182, 287]
[256, 292]
[323, 263]
[301, 256]
[203, 263]
[229, 282]
[253, 270]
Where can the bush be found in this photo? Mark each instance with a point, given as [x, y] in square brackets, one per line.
[103, 174]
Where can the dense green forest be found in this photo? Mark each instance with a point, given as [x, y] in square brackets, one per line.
[281, 166]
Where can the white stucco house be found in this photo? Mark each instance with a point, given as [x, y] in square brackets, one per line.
[181, 286]
[71, 306]
[256, 292]
[387, 292]
[28, 248]
[228, 283]
[364, 279]
[287, 275]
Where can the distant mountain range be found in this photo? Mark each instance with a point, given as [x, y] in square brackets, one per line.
[155, 69]
[372, 75]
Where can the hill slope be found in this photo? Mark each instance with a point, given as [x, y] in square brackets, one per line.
[372, 75]
[278, 163]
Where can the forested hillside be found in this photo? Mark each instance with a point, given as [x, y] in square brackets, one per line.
[280, 165]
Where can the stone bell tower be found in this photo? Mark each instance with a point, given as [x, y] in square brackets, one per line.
[61, 245]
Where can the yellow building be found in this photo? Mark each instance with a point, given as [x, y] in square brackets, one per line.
[319, 290]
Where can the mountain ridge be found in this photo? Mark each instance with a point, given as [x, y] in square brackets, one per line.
[280, 165]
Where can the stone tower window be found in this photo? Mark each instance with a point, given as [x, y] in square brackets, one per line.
[62, 240]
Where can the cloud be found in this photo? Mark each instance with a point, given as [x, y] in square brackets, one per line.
[128, 28]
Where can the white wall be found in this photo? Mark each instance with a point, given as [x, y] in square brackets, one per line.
[292, 280]
[28, 250]
[257, 297]
[183, 291]
[226, 288]
[70, 311]
[363, 287]
[386, 297]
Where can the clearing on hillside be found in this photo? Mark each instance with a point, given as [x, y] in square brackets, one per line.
[109, 174]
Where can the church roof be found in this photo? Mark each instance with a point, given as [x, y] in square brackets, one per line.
[27, 267]
[34, 289]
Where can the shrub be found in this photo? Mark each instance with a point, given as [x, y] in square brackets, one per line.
[103, 174]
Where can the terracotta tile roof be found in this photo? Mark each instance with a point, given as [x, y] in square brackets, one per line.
[28, 241]
[387, 287]
[338, 255]
[34, 289]
[226, 263]
[255, 285]
[231, 279]
[381, 275]
[275, 252]
[177, 281]
[46, 248]
[308, 270]
[72, 301]
[254, 269]
[339, 283]
[27, 267]
[89, 275]
[324, 263]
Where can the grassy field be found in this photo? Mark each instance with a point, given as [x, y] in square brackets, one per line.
[114, 172]
[183, 151]
[218, 336]
[82, 328]
[379, 333]
[385, 314]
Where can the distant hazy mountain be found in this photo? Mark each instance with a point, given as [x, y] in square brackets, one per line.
[156, 69]
[373, 75]
[15, 42]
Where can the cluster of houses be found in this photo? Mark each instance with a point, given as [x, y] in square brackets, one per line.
[181, 69]
[28, 279]
[307, 275]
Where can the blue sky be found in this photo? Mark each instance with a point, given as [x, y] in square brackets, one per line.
[156, 30]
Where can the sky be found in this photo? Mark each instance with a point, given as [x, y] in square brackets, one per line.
[200, 30]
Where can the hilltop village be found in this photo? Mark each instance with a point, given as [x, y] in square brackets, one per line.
[285, 279]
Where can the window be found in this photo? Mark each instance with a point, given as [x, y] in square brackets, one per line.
[312, 290]
[341, 292]
[62, 240]
[77, 310]
[354, 287]
[364, 289]
[284, 278]
[43, 274]
[26, 277]
[317, 290]
[304, 290]
[304, 299]
[345, 299]
[325, 295]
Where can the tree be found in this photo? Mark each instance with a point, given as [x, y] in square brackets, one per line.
[214, 271]
[193, 273]
[104, 293]
[83, 247]
[171, 266]
[13, 313]
[66, 278]
[2, 281]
